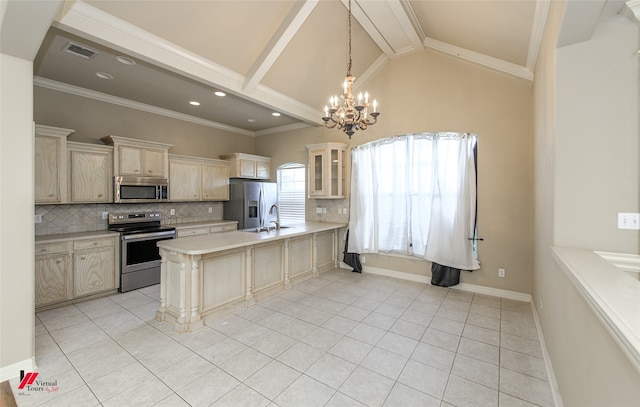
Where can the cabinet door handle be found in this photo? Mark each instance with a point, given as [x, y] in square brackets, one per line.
[82, 258]
[100, 195]
[58, 261]
[95, 243]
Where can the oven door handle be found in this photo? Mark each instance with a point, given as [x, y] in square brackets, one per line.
[145, 236]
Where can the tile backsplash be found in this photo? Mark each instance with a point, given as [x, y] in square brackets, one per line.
[333, 210]
[88, 217]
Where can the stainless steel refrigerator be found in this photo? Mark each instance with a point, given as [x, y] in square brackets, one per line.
[249, 203]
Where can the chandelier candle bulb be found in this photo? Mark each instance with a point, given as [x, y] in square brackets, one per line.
[375, 104]
[360, 98]
[366, 97]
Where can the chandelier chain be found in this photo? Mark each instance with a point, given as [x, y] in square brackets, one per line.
[349, 22]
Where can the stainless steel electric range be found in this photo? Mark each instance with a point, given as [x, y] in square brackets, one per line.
[139, 255]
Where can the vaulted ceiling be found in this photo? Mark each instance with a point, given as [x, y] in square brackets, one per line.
[269, 56]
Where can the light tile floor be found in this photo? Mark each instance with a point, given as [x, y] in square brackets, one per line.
[342, 339]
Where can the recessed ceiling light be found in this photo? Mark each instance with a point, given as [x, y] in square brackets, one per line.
[126, 61]
[276, 114]
[194, 103]
[104, 75]
[251, 120]
[221, 94]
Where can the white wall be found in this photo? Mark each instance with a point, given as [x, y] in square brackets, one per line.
[23, 25]
[597, 148]
[16, 217]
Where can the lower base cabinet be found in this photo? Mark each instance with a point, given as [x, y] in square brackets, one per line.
[75, 268]
[93, 272]
[52, 274]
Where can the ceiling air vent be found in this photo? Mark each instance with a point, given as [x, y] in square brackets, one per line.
[79, 50]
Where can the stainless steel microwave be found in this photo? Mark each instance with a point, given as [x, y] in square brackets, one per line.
[140, 189]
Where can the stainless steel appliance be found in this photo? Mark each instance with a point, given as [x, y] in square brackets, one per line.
[139, 255]
[250, 202]
[140, 189]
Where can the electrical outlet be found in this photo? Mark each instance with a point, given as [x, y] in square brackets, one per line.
[500, 272]
[363, 259]
[37, 218]
[210, 210]
[324, 210]
[105, 215]
[629, 221]
[172, 212]
[318, 210]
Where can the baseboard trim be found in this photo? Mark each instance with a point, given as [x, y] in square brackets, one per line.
[495, 292]
[13, 370]
[472, 288]
[555, 389]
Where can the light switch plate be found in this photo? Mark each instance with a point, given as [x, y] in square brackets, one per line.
[629, 221]
[37, 218]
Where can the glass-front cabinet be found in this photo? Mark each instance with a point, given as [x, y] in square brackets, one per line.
[326, 170]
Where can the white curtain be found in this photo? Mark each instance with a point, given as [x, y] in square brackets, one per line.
[416, 194]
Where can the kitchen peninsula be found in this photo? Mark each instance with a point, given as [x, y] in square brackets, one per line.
[201, 275]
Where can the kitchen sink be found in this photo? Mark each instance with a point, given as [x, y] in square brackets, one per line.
[265, 229]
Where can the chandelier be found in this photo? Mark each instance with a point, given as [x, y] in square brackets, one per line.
[350, 116]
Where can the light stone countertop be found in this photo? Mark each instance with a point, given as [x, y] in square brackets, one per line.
[217, 242]
[61, 237]
[188, 225]
[613, 295]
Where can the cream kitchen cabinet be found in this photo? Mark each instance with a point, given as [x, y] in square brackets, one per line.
[90, 168]
[138, 157]
[326, 170]
[52, 274]
[94, 266]
[249, 166]
[215, 181]
[198, 179]
[204, 228]
[50, 171]
[70, 268]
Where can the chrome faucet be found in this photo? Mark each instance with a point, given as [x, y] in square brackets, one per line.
[277, 221]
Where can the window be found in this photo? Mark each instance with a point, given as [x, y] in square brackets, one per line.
[416, 194]
[291, 180]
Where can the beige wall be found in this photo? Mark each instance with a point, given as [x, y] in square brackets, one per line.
[589, 366]
[430, 91]
[92, 120]
[16, 217]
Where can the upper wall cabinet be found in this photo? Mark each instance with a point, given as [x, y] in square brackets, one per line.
[90, 168]
[198, 179]
[50, 168]
[139, 158]
[326, 170]
[249, 166]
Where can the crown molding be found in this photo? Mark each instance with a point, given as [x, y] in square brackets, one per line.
[634, 6]
[103, 97]
[481, 59]
[537, 32]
